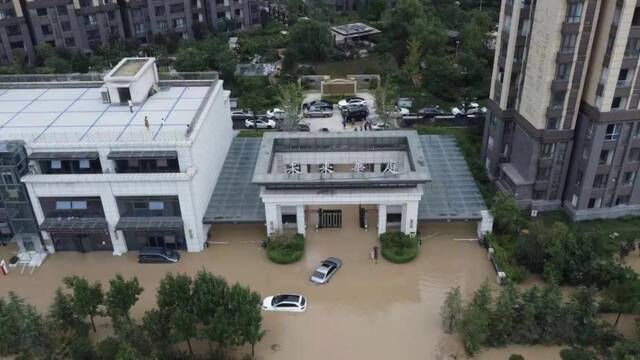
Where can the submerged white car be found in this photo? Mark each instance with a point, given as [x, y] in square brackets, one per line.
[350, 101]
[285, 302]
[326, 270]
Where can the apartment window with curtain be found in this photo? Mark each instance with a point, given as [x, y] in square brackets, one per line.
[619, 103]
[563, 71]
[633, 47]
[574, 12]
[547, 151]
[629, 177]
[612, 132]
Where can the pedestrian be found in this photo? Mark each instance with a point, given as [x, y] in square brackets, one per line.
[372, 255]
[419, 241]
[130, 105]
[146, 123]
[375, 254]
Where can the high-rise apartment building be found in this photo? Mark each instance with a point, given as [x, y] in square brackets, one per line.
[14, 32]
[564, 125]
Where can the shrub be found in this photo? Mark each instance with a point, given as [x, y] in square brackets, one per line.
[577, 354]
[285, 248]
[516, 357]
[398, 248]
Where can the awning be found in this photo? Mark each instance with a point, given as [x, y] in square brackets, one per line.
[64, 155]
[150, 223]
[74, 224]
[125, 155]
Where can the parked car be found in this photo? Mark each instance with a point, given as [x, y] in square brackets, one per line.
[399, 112]
[352, 100]
[319, 111]
[241, 114]
[431, 111]
[356, 115]
[323, 273]
[324, 130]
[379, 126]
[276, 113]
[466, 109]
[316, 102]
[285, 302]
[260, 123]
[158, 255]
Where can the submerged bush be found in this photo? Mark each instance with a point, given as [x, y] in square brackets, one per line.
[398, 248]
[285, 248]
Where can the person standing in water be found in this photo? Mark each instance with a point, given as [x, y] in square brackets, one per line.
[375, 254]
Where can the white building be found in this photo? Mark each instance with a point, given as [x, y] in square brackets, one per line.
[120, 164]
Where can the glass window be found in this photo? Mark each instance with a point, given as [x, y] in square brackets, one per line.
[574, 12]
[547, 150]
[562, 71]
[633, 47]
[41, 11]
[63, 205]
[84, 164]
[568, 43]
[65, 25]
[79, 205]
[605, 157]
[156, 205]
[56, 164]
[600, 181]
[62, 9]
[612, 132]
[629, 177]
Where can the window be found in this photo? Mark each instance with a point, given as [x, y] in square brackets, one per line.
[90, 20]
[629, 177]
[236, 12]
[636, 131]
[574, 13]
[612, 132]
[162, 163]
[606, 157]
[65, 25]
[622, 200]
[93, 34]
[41, 11]
[544, 173]
[62, 9]
[600, 181]
[635, 21]
[178, 23]
[538, 195]
[84, 164]
[159, 10]
[46, 29]
[16, 45]
[162, 25]
[578, 178]
[552, 123]
[70, 42]
[56, 164]
[634, 155]
[63, 205]
[618, 103]
[507, 24]
[79, 205]
[547, 150]
[594, 203]
[9, 13]
[562, 71]
[524, 26]
[136, 12]
[176, 8]
[156, 205]
[219, 2]
[624, 77]
[220, 15]
[568, 43]
[139, 28]
[557, 100]
[633, 47]
[85, 3]
[7, 178]
[13, 30]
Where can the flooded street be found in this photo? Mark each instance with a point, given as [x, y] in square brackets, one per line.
[367, 311]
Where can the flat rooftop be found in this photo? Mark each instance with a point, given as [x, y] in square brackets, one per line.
[129, 67]
[354, 30]
[77, 115]
[451, 195]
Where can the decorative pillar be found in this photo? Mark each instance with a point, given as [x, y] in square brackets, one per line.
[382, 218]
[409, 223]
[274, 218]
[300, 220]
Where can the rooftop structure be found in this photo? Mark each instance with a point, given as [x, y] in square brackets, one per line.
[354, 30]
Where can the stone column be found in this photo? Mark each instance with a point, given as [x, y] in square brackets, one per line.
[409, 223]
[382, 218]
[300, 220]
[112, 215]
[274, 218]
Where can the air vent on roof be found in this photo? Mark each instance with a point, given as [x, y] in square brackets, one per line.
[105, 95]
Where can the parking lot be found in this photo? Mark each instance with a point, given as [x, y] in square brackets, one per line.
[334, 123]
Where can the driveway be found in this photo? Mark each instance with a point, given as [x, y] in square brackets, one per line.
[367, 311]
[334, 123]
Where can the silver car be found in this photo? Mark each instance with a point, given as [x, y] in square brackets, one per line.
[326, 270]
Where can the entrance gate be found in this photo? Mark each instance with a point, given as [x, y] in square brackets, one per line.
[330, 218]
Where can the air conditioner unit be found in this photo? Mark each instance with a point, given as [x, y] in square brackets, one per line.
[534, 213]
[105, 95]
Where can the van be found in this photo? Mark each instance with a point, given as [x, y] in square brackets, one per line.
[158, 255]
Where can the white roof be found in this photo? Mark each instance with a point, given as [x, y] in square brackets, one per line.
[78, 116]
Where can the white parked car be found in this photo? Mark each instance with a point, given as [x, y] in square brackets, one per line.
[379, 126]
[260, 124]
[285, 302]
[276, 113]
[471, 108]
[352, 101]
[399, 112]
[326, 270]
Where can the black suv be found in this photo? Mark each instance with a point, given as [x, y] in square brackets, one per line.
[158, 255]
[355, 114]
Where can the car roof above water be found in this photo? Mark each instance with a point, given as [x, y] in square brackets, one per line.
[152, 250]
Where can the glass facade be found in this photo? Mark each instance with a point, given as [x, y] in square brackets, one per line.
[81, 241]
[147, 165]
[170, 239]
[67, 207]
[148, 206]
[81, 166]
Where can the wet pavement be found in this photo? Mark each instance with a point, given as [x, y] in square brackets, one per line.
[367, 311]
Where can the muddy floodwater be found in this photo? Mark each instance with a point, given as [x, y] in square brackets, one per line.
[367, 311]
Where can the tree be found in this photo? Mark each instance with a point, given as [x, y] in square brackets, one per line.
[67, 335]
[583, 309]
[384, 96]
[176, 306]
[412, 65]
[527, 331]
[475, 329]
[302, 49]
[506, 215]
[246, 310]
[291, 102]
[452, 311]
[191, 60]
[210, 301]
[503, 319]
[87, 298]
[625, 296]
[121, 297]
[21, 327]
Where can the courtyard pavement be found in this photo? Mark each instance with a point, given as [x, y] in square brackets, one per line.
[367, 311]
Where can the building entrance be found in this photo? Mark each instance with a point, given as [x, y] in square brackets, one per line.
[329, 218]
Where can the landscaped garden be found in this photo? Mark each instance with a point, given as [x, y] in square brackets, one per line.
[285, 248]
[398, 248]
